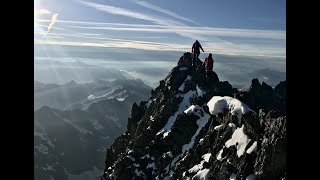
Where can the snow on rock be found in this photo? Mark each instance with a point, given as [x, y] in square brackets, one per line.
[182, 106]
[233, 176]
[219, 104]
[203, 175]
[198, 167]
[136, 165]
[193, 109]
[251, 177]
[183, 69]
[199, 91]
[219, 157]
[217, 128]
[145, 156]
[90, 97]
[131, 158]
[201, 122]
[252, 148]
[233, 126]
[152, 165]
[139, 173]
[239, 139]
[181, 88]
[148, 103]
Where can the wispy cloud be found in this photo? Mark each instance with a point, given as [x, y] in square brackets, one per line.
[165, 11]
[248, 33]
[217, 40]
[169, 23]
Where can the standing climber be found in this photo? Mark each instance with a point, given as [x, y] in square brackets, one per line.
[196, 52]
[208, 64]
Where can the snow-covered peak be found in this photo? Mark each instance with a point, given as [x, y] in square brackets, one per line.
[219, 104]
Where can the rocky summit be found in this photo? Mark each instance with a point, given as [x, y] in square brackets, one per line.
[198, 127]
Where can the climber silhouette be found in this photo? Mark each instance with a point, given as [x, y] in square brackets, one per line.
[196, 52]
[208, 64]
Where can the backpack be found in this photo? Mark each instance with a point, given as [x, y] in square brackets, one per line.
[209, 64]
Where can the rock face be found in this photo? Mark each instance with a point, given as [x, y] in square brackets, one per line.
[173, 135]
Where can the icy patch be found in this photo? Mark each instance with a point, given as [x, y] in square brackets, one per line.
[181, 88]
[136, 165]
[217, 128]
[218, 104]
[252, 148]
[182, 106]
[239, 139]
[251, 177]
[199, 91]
[183, 69]
[202, 175]
[233, 176]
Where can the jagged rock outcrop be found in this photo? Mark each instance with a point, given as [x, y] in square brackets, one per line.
[174, 135]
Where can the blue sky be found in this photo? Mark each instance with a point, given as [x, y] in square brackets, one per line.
[233, 27]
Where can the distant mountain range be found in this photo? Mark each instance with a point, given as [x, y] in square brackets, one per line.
[73, 95]
[72, 135]
[57, 72]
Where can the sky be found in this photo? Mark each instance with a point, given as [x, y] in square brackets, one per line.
[253, 28]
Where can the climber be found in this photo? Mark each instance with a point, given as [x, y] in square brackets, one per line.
[208, 64]
[196, 52]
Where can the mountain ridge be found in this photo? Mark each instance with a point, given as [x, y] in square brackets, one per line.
[173, 135]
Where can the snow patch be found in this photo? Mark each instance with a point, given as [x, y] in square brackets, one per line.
[131, 158]
[217, 128]
[199, 91]
[139, 173]
[219, 157]
[233, 176]
[252, 148]
[42, 148]
[239, 139]
[149, 103]
[193, 109]
[219, 104]
[136, 165]
[145, 156]
[201, 122]
[182, 106]
[198, 167]
[181, 88]
[152, 165]
[251, 177]
[202, 175]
